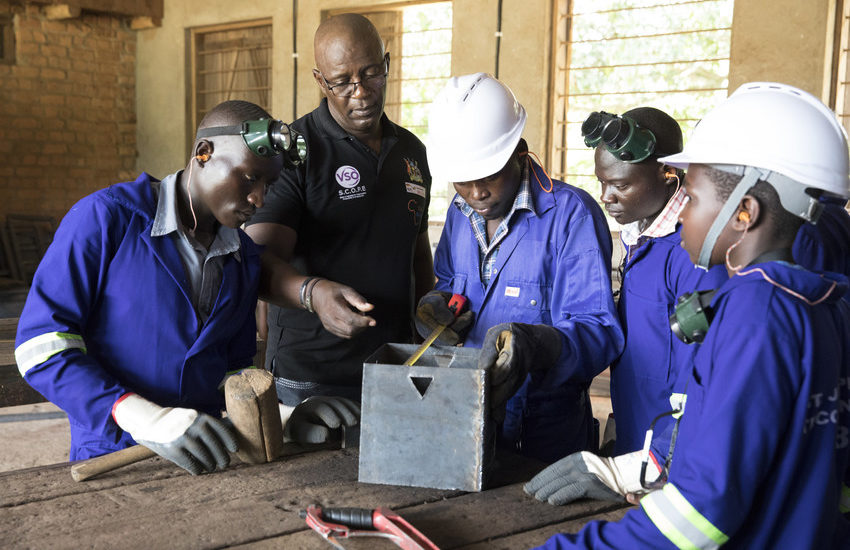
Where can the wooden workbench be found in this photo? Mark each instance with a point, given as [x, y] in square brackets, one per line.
[154, 504]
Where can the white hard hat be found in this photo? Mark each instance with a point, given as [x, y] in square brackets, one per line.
[777, 128]
[474, 126]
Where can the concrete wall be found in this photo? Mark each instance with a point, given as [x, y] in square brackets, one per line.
[161, 71]
[784, 41]
[524, 53]
[67, 120]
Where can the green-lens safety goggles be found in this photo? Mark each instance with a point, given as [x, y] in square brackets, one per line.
[692, 316]
[621, 135]
[265, 138]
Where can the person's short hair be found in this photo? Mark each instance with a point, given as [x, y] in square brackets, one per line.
[231, 112]
[668, 134]
[785, 223]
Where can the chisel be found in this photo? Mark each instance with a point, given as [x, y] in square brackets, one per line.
[455, 306]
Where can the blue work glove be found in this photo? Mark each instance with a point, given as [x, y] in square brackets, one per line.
[585, 475]
[195, 441]
[314, 419]
[510, 352]
[433, 311]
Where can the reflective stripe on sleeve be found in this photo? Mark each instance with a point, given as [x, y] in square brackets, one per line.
[679, 521]
[36, 351]
[844, 501]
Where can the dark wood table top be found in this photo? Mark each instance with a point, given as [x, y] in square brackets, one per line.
[154, 504]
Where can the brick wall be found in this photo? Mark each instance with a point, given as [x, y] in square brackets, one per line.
[67, 109]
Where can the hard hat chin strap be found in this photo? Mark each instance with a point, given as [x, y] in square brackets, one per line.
[751, 176]
[792, 196]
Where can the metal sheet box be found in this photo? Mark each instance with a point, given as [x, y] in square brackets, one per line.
[426, 425]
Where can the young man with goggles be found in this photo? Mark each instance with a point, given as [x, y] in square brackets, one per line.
[145, 299]
[645, 197]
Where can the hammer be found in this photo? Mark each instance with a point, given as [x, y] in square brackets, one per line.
[251, 403]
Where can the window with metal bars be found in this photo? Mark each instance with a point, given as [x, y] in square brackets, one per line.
[614, 55]
[230, 62]
[419, 39]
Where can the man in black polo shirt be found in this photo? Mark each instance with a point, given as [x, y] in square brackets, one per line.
[351, 226]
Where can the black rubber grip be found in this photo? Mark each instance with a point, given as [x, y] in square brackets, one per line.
[359, 518]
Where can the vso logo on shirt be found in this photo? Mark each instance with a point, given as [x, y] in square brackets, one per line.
[349, 179]
[347, 176]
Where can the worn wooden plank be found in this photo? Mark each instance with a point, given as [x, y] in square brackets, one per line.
[469, 519]
[536, 537]
[9, 325]
[14, 390]
[241, 504]
[156, 504]
[44, 483]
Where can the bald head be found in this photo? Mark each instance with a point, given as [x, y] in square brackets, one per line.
[336, 37]
[667, 132]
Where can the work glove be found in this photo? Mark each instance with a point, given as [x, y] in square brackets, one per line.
[195, 441]
[314, 419]
[510, 352]
[585, 475]
[433, 311]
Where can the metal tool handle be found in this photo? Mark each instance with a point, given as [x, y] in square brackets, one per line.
[359, 518]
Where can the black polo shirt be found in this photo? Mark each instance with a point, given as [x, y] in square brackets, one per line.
[357, 216]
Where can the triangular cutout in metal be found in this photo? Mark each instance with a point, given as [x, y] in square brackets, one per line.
[421, 383]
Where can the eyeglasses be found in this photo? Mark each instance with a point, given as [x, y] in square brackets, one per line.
[372, 81]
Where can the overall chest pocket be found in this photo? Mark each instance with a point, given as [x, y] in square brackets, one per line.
[648, 337]
[527, 302]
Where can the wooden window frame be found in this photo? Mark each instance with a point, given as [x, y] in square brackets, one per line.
[193, 119]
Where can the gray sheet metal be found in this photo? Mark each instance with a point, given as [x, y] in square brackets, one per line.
[427, 425]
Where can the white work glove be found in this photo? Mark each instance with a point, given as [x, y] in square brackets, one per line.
[585, 475]
[195, 441]
[313, 420]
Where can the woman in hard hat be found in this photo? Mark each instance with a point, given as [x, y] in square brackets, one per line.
[761, 457]
[533, 258]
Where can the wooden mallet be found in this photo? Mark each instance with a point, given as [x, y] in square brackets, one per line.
[251, 403]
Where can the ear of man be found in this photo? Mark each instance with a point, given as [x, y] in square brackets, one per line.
[203, 150]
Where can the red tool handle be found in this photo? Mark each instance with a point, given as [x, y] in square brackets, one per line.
[333, 523]
[457, 303]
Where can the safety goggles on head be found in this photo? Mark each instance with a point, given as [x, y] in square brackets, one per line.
[265, 138]
[621, 135]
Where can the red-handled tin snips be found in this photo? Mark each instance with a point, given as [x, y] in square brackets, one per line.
[343, 523]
